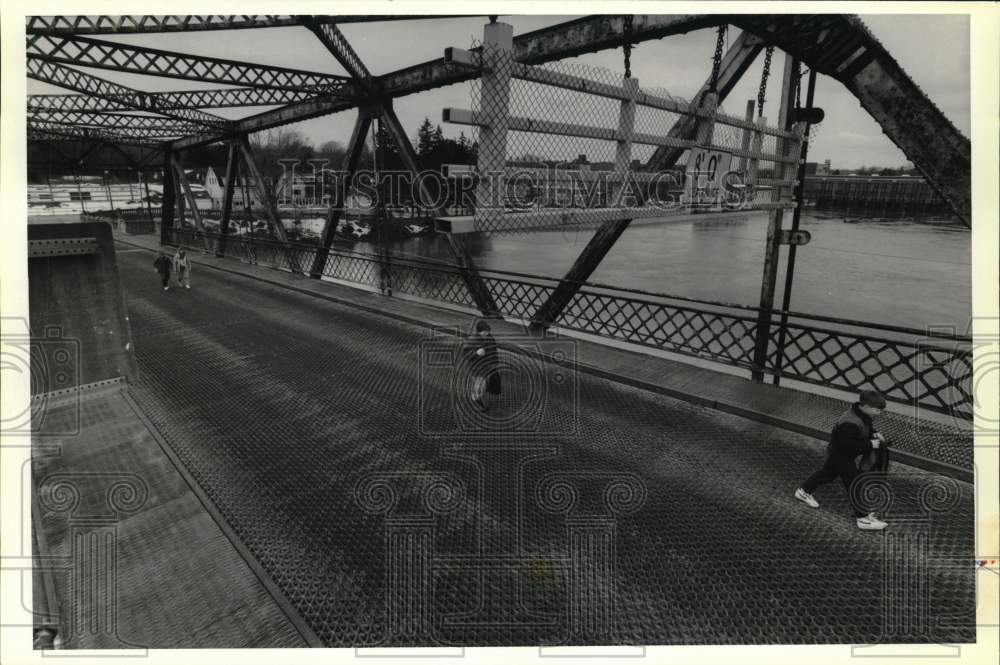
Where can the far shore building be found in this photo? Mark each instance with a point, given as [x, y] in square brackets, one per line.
[215, 185]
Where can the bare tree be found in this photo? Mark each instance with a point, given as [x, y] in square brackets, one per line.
[275, 151]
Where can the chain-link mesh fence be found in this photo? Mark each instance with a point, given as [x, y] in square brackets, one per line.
[569, 144]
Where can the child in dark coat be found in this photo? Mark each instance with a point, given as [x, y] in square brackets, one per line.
[483, 362]
[162, 265]
[854, 436]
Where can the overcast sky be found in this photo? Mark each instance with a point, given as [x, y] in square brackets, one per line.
[932, 49]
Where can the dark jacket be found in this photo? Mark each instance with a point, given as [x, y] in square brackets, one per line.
[162, 264]
[851, 437]
[852, 434]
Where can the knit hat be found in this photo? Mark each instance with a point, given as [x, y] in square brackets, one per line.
[872, 398]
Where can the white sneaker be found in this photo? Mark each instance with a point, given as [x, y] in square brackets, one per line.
[871, 523]
[166, 288]
[187, 286]
[806, 498]
[876, 520]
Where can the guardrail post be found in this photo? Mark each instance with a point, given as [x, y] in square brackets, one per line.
[624, 135]
[743, 163]
[753, 166]
[497, 53]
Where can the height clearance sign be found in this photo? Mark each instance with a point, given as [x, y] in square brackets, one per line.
[704, 175]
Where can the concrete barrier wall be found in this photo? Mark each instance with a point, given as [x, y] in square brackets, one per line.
[78, 318]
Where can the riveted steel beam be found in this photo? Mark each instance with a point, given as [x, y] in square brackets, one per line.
[545, 45]
[131, 132]
[119, 121]
[842, 47]
[336, 43]
[837, 45]
[355, 148]
[130, 24]
[72, 79]
[179, 99]
[68, 133]
[88, 52]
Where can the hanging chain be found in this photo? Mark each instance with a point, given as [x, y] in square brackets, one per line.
[720, 42]
[627, 46]
[763, 81]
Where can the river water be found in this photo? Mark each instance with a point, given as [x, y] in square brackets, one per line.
[901, 271]
[907, 272]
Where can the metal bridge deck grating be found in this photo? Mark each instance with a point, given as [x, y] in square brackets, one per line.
[280, 405]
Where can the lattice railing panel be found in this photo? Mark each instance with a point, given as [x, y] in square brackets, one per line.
[446, 284]
[918, 370]
[932, 372]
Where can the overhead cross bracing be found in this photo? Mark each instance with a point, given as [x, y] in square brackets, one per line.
[173, 100]
[835, 45]
[112, 25]
[94, 86]
[52, 132]
[119, 121]
[86, 52]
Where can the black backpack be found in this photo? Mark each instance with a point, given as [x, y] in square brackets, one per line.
[877, 460]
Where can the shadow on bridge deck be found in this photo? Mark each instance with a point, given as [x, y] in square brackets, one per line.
[583, 511]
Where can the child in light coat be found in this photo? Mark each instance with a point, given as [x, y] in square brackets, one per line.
[182, 267]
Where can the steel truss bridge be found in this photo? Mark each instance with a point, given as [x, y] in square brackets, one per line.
[100, 124]
[154, 130]
[101, 111]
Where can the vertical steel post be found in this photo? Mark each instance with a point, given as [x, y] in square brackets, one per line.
[188, 196]
[786, 298]
[167, 209]
[107, 188]
[179, 196]
[145, 187]
[227, 199]
[382, 213]
[773, 246]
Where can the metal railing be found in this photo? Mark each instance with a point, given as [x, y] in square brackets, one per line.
[134, 221]
[909, 366]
